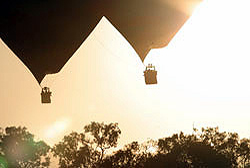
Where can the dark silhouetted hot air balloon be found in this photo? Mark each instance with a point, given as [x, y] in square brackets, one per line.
[44, 34]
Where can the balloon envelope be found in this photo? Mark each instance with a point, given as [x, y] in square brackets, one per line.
[44, 34]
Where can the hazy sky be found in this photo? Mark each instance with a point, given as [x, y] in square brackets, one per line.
[203, 77]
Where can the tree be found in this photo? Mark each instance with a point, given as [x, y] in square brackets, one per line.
[244, 152]
[74, 151]
[225, 143]
[129, 156]
[80, 150]
[18, 149]
[198, 151]
[203, 155]
[104, 136]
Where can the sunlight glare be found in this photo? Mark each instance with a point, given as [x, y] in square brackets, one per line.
[57, 128]
[209, 56]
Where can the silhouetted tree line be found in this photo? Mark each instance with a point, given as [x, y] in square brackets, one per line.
[96, 147]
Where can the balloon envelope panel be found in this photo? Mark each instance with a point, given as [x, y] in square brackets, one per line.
[44, 34]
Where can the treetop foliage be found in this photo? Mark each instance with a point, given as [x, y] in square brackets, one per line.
[18, 149]
[207, 148]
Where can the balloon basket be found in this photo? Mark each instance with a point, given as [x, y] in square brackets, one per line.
[46, 95]
[150, 75]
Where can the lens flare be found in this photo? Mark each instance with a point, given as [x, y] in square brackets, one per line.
[57, 128]
[3, 163]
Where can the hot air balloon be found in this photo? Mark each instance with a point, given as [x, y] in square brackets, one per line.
[44, 34]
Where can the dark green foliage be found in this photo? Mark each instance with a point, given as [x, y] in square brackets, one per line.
[18, 149]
